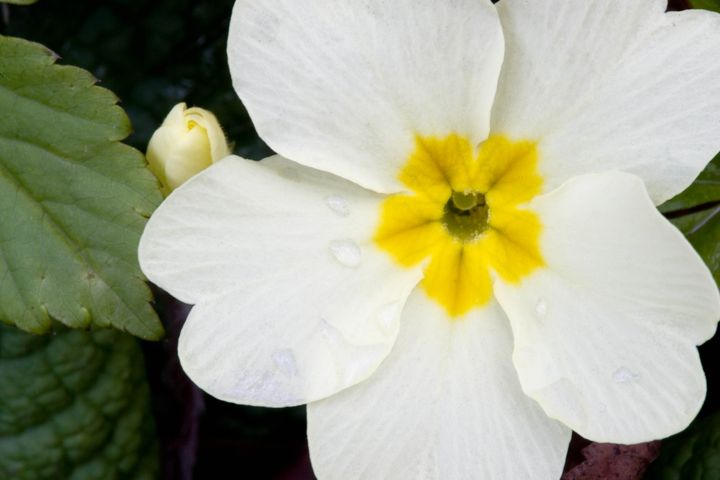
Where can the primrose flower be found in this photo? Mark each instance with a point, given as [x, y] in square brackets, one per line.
[188, 141]
[456, 258]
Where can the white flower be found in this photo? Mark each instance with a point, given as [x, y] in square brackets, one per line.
[188, 141]
[461, 263]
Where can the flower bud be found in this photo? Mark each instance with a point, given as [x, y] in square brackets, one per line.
[188, 141]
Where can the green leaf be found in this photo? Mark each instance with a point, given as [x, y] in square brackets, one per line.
[74, 405]
[691, 455]
[73, 200]
[20, 2]
[705, 189]
[702, 229]
[713, 5]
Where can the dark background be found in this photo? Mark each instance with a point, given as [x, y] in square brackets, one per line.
[154, 54]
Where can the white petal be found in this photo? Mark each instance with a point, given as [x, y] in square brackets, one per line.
[293, 300]
[344, 86]
[612, 85]
[445, 404]
[605, 335]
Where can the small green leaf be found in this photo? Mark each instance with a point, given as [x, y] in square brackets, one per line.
[74, 405]
[705, 189]
[73, 200]
[713, 5]
[702, 229]
[691, 455]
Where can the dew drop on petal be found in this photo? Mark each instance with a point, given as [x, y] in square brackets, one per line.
[386, 316]
[285, 362]
[541, 307]
[363, 360]
[289, 173]
[346, 252]
[329, 333]
[338, 205]
[623, 375]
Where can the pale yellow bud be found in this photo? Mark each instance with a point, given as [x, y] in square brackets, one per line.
[188, 141]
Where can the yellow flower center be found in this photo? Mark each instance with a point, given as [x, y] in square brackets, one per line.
[465, 217]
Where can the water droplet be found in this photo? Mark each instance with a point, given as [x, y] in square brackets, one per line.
[289, 173]
[353, 361]
[338, 205]
[386, 316]
[346, 252]
[541, 307]
[623, 375]
[361, 362]
[285, 362]
[329, 333]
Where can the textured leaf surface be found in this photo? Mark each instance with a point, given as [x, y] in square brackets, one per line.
[73, 200]
[692, 455]
[704, 190]
[74, 405]
[713, 5]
